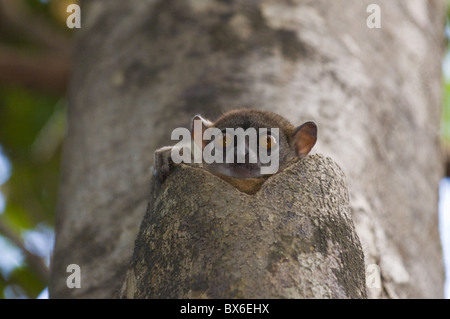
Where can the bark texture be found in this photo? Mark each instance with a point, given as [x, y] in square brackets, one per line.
[202, 238]
[143, 68]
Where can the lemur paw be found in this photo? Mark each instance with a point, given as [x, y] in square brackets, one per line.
[163, 163]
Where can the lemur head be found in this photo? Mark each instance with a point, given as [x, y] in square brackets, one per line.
[275, 136]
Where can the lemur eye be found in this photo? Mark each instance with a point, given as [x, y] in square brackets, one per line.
[223, 140]
[267, 141]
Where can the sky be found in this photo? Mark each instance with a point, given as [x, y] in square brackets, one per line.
[444, 226]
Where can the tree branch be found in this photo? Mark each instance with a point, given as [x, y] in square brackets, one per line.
[46, 71]
[18, 17]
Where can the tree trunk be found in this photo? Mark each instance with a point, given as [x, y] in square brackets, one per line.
[202, 238]
[143, 68]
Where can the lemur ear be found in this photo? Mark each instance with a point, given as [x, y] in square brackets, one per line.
[304, 138]
[198, 127]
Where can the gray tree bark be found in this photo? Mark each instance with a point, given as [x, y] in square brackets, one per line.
[142, 68]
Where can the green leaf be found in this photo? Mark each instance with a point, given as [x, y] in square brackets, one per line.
[27, 280]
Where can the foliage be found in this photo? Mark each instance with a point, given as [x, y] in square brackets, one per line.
[32, 127]
[31, 130]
